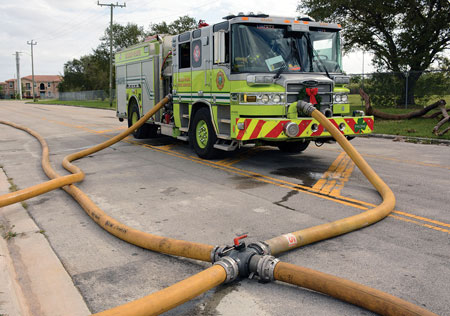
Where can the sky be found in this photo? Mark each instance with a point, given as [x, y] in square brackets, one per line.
[68, 29]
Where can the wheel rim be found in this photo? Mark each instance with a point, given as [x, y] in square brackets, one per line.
[134, 118]
[201, 134]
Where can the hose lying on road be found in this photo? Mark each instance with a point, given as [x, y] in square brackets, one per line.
[166, 299]
[145, 240]
[43, 187]
[172, 296]
[347, 291]
[313, 234]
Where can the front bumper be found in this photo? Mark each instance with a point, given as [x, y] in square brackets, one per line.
[309, 128]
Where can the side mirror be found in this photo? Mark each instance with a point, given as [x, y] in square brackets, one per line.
[219, 47]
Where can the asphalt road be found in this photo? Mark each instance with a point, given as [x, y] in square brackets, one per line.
[160, 186]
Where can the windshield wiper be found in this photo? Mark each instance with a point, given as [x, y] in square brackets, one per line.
[317, 55]
[280, 70]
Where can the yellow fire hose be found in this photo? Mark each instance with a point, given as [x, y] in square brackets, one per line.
[179, 293]
[320, 232]
[40, 188]
[347, 291]
[172, 296]
[145, 240]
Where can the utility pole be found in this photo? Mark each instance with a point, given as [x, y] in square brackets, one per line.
[19, 82]
[111, 5]
[32, 43]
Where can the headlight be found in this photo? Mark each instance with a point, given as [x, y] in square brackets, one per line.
[340, 98]
[262, 98]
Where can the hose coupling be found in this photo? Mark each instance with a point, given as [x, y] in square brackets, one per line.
[305, 107]
[244, 258]
[265, 268]
[231, 268]
[261, 248]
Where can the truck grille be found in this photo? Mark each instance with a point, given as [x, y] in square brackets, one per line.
[325, 92]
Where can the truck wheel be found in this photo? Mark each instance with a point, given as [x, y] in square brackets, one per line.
[146, 130]
[293, 147]
[202, 135]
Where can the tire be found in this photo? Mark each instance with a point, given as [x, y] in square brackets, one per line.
[146, 130]
[202, 136]
[293, 147]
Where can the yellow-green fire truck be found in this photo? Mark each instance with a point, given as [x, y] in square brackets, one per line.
[238, 82]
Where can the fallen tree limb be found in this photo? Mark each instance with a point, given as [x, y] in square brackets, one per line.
[387, 116]
[434, 115]
[445, 119]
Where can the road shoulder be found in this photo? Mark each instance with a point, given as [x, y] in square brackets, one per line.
[33, 281]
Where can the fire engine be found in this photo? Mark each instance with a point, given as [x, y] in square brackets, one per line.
[238, 82]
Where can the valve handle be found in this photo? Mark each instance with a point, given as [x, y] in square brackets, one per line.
[236, 240]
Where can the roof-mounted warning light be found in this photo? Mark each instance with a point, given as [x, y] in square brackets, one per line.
[250, 15]
[306, 18]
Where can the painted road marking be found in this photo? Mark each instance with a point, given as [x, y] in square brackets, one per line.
[278, 182]
[402, 161]
[334, 179]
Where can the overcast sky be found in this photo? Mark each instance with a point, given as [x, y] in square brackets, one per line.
[71, 28]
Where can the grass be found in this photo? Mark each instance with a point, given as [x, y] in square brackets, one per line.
[10, 234]
[416, 127]
[13, 188]
[88, 104]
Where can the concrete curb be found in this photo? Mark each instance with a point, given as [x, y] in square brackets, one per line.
[77, 106]
[34, 281]
[411, 138]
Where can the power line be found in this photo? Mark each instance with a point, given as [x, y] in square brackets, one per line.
[71, 28]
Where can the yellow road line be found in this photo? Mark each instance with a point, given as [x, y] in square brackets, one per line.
[402, 161]
[112, 130]
[421, 224]
[345, 176]
[321, 182]
[334, 179]
[336, 176]
[278, 182]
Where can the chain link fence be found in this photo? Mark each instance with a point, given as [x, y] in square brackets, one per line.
[85, 95]
[402, 89]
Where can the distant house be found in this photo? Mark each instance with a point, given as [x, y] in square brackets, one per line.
[2, 89]
[10, 89]
[45, 87]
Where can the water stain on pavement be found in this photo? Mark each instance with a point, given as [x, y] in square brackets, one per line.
[308, 174]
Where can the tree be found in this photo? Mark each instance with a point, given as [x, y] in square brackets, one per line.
[91, 72]
[123, 36]
[180, 25]
[404, 35]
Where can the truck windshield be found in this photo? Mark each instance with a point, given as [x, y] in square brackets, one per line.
[271, 48]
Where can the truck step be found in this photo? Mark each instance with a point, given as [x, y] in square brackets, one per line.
[227, 147]
[223, 136]
[226, 121]
[224, 147]
[183, 138]
[184, 129]
[186, 116]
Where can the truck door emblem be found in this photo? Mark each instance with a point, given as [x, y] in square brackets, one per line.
[197, 53]
[220, 80]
